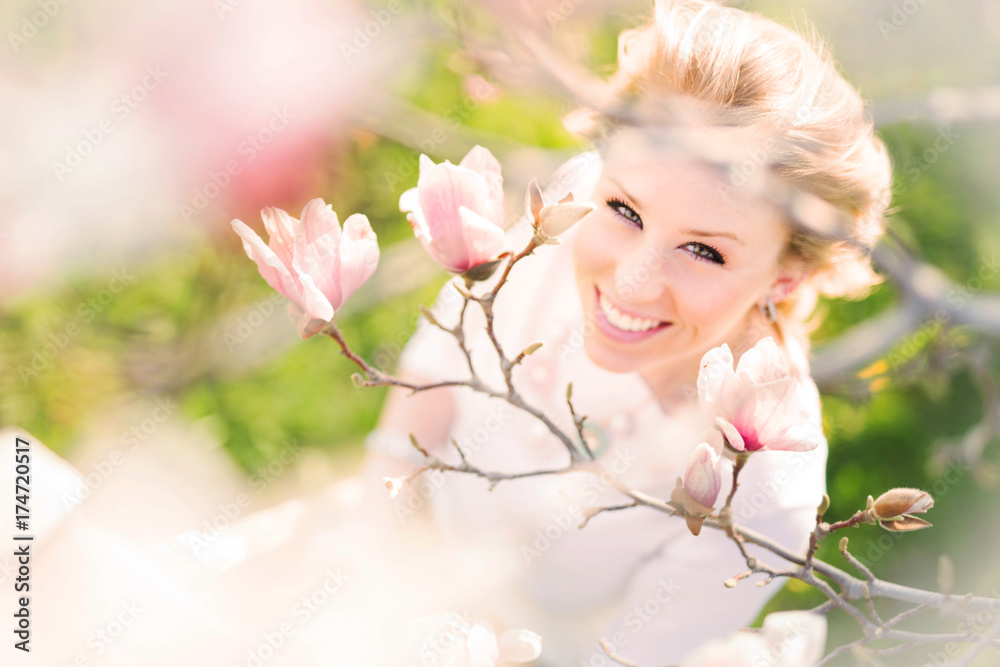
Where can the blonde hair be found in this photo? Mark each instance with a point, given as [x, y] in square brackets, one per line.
[773, 81]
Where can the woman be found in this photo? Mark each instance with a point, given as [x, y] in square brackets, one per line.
[681, 255]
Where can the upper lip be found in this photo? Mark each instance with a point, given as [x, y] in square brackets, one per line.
[625, 310]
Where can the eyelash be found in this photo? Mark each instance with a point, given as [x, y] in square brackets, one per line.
[714, 255]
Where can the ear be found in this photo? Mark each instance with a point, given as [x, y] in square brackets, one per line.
[791, 273]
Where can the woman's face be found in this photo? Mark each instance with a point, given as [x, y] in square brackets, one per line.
[672, 244]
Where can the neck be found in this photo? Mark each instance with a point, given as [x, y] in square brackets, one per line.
[675, 383]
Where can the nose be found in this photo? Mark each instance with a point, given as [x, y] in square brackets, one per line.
[642, 275]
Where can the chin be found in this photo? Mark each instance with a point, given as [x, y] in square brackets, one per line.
[608, 359]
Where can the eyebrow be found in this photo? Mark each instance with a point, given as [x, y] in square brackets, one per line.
[693, 232]
[701, 232]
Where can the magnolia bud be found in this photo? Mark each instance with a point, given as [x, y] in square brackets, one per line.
[531, 349]
[897, 502]
[428, 315]
[824, 505]
[533, 201]
[555, 219]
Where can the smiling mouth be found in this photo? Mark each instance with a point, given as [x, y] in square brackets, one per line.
[624, 322]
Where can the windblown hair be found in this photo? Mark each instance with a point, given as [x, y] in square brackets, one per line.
[773, 82]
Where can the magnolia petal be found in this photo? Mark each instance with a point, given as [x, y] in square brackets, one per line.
[519, 646]
[318, 220]
[359, 254]
[482, 161]
[319, 260]
[277, 274]
[281, 229]
[732, 434]
[760, 364]
[306, 324]
[481, 645]
[801, 634]
[557, 218]
[533, 202]
[739, 649]
[409, 202]
[905, 523]
[314, 302]
[797, 438]
[443, 189]
[763, 411]
[716, 379]
[483, 240]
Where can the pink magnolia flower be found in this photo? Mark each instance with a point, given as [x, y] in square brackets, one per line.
[311, 261]
[457, 641]
[787, 639]
[760, 405]
[456, 211]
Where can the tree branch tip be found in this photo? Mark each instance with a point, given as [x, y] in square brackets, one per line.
[416, 444]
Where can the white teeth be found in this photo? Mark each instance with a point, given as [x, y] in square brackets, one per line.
[625, 322]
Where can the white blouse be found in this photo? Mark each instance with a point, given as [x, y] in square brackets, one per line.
[635, 577]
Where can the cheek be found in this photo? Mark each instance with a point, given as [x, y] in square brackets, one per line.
[713, 303]
[590, 251]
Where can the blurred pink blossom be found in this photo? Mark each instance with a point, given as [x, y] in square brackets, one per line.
[457, 212]
[787, 639]
[453, 640]
[311, 261]
[759, 405]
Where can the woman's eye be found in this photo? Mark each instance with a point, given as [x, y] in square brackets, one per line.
[706, 252]
[625, 211]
